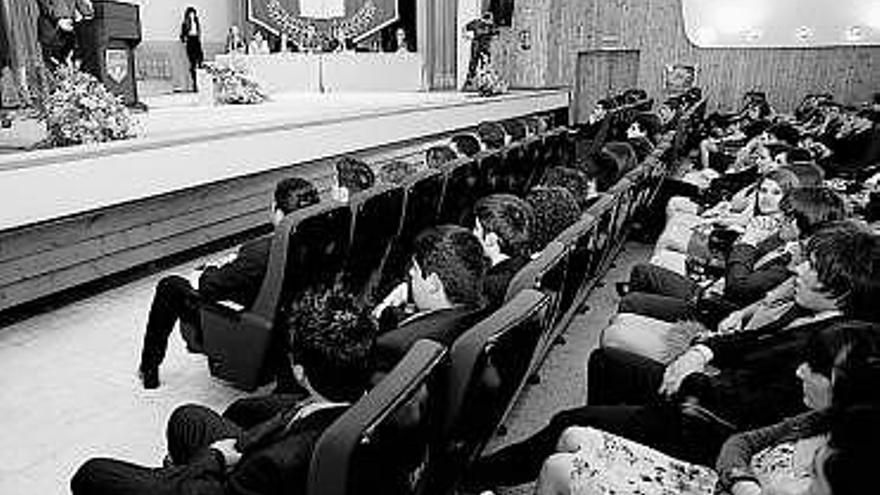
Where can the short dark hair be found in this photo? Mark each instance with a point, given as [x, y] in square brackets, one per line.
[812, 207]
[332, 336]
[396, 171]
[785, 133]
[650, 123]
[466, 144]
[456, 256]
[508, 217]
[438, 155]
[354, 174]
[294, 193]
[846, 258]
[576, 181]
[492, 134]
[515, 128]
[554, 209]
[800, 155]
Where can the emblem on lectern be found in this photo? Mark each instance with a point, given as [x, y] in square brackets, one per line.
[117, 64]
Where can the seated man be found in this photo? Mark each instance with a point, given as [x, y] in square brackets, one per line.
[237, 281]
[446, 288]
[503, 224]
[757, 262]
[755, 348]
[332, 338]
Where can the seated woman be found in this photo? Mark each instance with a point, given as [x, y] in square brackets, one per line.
[758, 262]
[841, 372]
[679, 239]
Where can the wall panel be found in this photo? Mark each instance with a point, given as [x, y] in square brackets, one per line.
[656, 28]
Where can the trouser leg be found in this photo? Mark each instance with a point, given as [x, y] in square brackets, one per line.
[620, 377]
[113, 477]
[192, 427]
[666, 308]
[654, 279]
[174, 299]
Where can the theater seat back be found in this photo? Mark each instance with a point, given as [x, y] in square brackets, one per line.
[464, 186]
[381, 444]
[488, 367]
[318, 247]
[378, 215]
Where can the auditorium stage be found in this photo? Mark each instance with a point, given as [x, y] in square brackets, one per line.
[182, 145]
[200, 174]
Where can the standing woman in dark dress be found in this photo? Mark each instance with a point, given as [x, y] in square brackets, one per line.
[191, 34]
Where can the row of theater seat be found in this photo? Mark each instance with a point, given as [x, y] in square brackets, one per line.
[418, 429]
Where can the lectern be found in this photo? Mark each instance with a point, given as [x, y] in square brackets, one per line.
[108, 47]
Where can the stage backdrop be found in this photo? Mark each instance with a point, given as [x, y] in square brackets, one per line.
[358, 18]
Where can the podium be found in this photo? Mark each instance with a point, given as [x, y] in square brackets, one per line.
[108, 44]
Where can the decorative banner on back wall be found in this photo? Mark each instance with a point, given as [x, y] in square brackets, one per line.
[358, 19]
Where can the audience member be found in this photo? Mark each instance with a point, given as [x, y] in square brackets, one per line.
[238, 281]
[492, 134]
[503, 224]
[466, 144]
[772, 459]
[332, 341]
[554, 208]
[437, 155]
[576, 181]
[396, 171]
[353, 176]
[445, 287]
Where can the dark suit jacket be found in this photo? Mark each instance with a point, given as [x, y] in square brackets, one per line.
[443, 326]
[47, 24]
[756, 385]
[498, 278]
[279, 468]
[240, 279]
[743, 283]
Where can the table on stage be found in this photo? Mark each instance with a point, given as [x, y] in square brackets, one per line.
[332, 72]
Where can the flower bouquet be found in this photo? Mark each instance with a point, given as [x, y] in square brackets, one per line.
[78, 109]
[233, 85]
[487, 81]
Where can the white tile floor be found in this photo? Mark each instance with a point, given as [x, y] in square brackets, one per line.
[70, 390]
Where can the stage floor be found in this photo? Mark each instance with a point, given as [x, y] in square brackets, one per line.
[182, 144]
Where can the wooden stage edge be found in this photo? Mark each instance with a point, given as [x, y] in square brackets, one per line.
[201, 174]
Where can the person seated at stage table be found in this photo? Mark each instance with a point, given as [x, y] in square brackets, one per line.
[234, 41]
[503, 224]
[259, 45]
[840, 374]
[269, 453]
[339, 42]
[237, 280]
[442, 298]
[401, 41]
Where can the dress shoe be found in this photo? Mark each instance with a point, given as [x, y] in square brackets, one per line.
[149, 378]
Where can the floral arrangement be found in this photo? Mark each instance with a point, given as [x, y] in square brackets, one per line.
[487, 81]
[233, 85]
[78, 109]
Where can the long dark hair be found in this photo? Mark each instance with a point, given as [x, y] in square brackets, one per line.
[185, 25]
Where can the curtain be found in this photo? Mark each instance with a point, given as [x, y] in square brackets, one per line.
[440, 40]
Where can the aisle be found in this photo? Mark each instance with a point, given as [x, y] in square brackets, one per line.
[563, 374]
[70, 389]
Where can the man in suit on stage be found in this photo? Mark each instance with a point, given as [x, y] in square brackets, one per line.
[57, 29]
[237, 281]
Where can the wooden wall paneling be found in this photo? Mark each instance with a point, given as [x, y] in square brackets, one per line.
[33, 288]
[656, 28]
